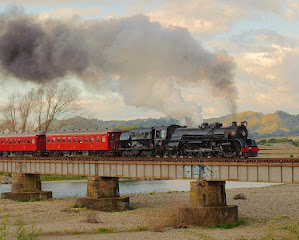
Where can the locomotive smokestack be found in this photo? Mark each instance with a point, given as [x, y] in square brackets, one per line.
[142, 60]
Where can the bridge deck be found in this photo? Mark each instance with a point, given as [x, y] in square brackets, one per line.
[276, 170]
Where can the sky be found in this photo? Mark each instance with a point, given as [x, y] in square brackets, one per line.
[260, 36]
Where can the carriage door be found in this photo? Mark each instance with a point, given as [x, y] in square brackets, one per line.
[41, 142]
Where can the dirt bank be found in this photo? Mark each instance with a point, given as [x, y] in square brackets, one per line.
[154, 216]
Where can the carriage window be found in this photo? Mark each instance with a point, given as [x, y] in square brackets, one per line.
[64, 140]
[98, 139]
[69, 139]
[15, 141]
[19, 141]
[104, 139]
[86, 139]
[2, 141]
[6, 141]
[74, 140]
[58, 140]
[33, 140]
[24, 141]
[80, 139]
[91, 139]
[49, 140]
[28, 140]
[53, 140]
[10, 141]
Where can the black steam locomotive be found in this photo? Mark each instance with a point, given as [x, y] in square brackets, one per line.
[208, 140]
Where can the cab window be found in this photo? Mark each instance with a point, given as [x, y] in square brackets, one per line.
[158, 133]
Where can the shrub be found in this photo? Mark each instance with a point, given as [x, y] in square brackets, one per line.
[27, 234]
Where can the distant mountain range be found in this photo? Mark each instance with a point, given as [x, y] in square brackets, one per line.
[278, 124]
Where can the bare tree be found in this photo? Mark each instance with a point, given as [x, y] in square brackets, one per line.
[55, 101]
[9, 112]
[26, 104]
[49, 102]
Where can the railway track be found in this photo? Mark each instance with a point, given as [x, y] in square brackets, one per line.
[151, 159]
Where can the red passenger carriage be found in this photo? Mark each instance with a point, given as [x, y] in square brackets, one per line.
[22, 143]
[82, 142]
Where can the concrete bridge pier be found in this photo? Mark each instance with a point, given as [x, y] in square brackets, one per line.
[207, 205]
[103, 194]
[26, 187]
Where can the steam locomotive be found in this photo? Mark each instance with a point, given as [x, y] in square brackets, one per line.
[208, 140]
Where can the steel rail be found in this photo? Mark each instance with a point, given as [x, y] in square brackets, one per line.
[151, 159]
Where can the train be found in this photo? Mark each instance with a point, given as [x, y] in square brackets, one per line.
[206, 141]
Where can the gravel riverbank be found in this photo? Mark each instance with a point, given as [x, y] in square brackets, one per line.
[154, 216]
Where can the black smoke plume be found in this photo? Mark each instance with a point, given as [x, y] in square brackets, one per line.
[149, 61]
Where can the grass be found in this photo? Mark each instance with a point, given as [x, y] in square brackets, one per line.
[3, 228]
[230, 226]
[200, 235]
[282, 227]
[138, 229]
[60, 177]
[78, 206]
[27, 200]
[112, 230]
[105, 230]
[274, 141]
[31, 233]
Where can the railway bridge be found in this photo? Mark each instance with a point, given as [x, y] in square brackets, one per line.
[207, 193]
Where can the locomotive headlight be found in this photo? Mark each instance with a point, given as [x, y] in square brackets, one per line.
[243, 134]
[233, 133]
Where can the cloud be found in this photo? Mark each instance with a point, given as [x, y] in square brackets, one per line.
[70, 12]
[292, 12]
[211, 17]
[117, 109]
[267, 75]
[199, 16]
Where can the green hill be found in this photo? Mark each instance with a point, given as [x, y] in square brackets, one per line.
[278, 124]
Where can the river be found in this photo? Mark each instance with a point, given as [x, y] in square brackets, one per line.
[78, 189]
